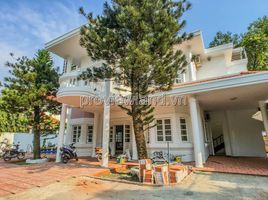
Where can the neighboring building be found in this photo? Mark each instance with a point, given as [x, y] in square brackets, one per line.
[221, 96]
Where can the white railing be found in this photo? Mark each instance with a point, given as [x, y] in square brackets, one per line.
[239, 54]
[71, 81]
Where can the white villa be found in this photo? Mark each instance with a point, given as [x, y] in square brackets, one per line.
[221, 98]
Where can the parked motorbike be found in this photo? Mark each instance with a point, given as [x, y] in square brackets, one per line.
[4, 145]
[14, 152]
[68, 153]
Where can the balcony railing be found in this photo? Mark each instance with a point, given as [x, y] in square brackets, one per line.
[69, 82]
[239, 54]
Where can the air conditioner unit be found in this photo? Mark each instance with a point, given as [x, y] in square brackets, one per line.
[197, 60]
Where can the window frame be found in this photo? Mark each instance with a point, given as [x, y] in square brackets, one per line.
[186, 129]
[92, 133]
[111, 134]
[180, 76]
[164, 128]
[77, 139]
[127, 135]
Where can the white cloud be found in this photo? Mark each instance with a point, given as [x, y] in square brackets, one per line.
[5, 57]
[24, 28]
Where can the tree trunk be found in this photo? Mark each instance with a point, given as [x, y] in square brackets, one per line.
[140, 139]
[36, 129]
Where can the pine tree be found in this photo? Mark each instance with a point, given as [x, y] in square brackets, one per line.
[28, 90]
[136, 39]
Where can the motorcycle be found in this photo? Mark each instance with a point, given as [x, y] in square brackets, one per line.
[68, 153]
[4, 145]
[14, 152]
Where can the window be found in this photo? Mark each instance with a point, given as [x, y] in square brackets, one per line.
[76, 133]
[127, 133]
[89, 133]
[73, 82]
[180, 77]
[111, 134]
[163, 129]
[65, 66]
[73, 67]
[184, 132]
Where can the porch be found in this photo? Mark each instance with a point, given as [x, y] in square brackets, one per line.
[236, 165]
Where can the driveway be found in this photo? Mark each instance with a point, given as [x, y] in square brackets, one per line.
[15, 178]
[200, 185]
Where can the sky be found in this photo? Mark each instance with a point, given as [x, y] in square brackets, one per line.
[26, 25]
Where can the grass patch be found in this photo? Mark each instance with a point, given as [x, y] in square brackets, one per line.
[21, 163]
[122, 175]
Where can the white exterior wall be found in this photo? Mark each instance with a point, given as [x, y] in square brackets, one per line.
[246, 137]
[213, 68]
[242, 133]
[83, 148]
[26, 140]
[177, 147]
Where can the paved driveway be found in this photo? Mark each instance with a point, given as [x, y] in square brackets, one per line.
[15, 178]
[199, 186]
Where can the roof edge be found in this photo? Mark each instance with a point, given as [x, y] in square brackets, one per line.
[63, 37]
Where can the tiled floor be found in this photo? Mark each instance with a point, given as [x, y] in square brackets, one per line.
[237, 165]
[15, 178]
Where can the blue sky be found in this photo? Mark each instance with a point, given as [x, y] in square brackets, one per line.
[25, 25]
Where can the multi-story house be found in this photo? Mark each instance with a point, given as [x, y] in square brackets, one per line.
[220, 97]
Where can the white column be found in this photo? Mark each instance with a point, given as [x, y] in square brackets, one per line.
[68, 133]
[95, 133]
[61, 132]
[264, 114]
[192, 69]
[134, 146]
[106, 124]
[69, 64]
[195, 117]
[201, 130]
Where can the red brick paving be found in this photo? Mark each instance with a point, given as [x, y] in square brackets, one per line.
[16, 178]
[236, 165]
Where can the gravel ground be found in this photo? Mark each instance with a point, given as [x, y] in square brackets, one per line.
[197, 186]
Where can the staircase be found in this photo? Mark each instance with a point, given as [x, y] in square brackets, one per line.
[218, 143]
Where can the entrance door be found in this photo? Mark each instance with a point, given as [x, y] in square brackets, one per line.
[119, 140]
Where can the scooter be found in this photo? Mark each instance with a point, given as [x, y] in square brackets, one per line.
[68, 153]
[14, 152]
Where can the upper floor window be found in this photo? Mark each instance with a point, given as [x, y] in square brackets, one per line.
[89, 133]
[183, 128]
[76, 133]
[180, 77]
[163, 129]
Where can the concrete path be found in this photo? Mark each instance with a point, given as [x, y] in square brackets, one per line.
[15, 178]
[199, 186]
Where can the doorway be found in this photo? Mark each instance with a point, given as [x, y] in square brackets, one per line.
[119, 139]
[217, 138]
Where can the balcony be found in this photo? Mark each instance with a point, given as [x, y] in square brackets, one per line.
[72, 89]
[238, 62]
[69, 83]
